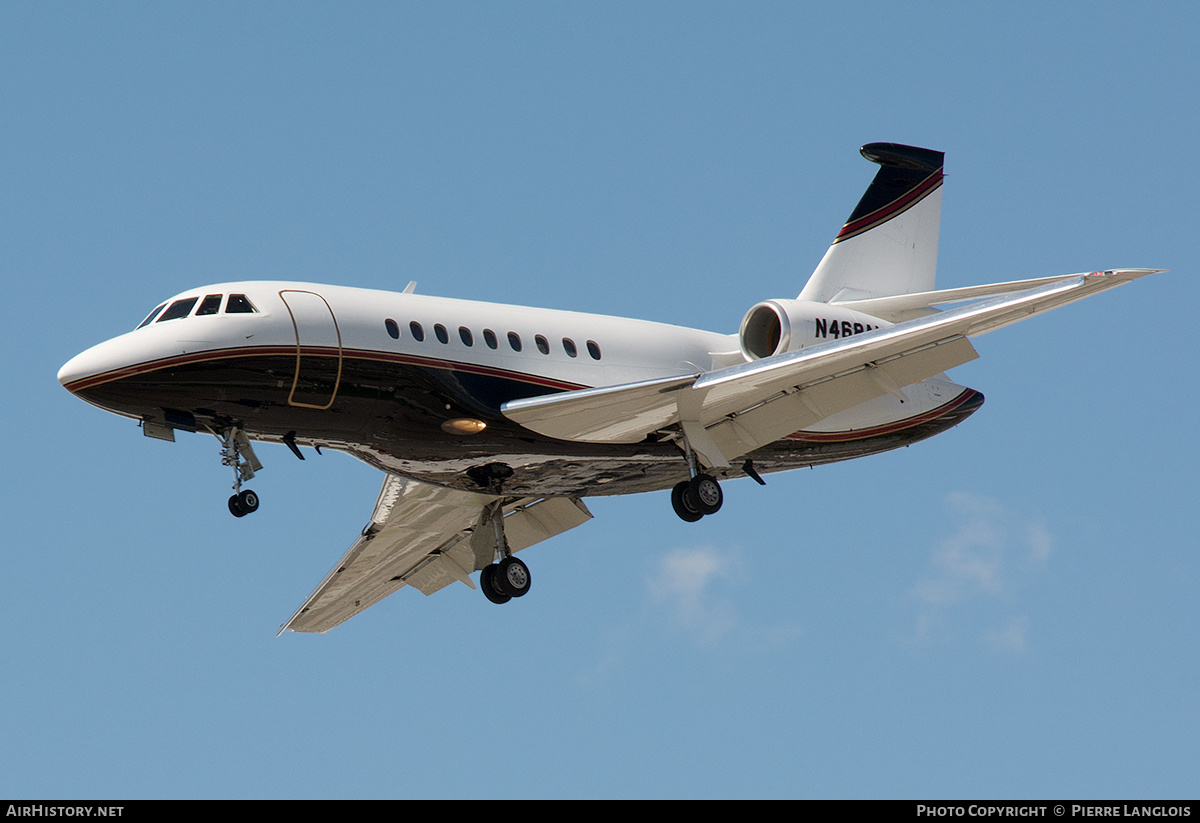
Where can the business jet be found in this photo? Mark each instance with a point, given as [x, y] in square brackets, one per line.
[492, 423]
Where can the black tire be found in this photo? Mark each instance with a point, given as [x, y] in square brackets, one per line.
[235, 508]
[703, 494]
[512, 577]
[680, 504]
[486, 583]
[247, 501]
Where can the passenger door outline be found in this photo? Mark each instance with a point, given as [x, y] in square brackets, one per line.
[318, 338]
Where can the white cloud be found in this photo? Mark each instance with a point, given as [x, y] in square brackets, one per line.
[1039, 542]
[981, 564]
[1011, 636]
[693, 592]
[683, 585]
[971, 559]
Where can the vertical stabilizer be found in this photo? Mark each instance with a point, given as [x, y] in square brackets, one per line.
[889, 244]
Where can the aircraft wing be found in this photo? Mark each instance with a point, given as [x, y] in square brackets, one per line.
[427, 537]
[900, 307]
[731, 411]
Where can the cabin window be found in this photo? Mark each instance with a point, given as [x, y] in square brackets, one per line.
[418, 333]
[440, 332]
[238, 304]
[569, 347]
[514, 340]
[180, 308]
[392, 329]
[150, 317]
[489, 337]
[542, 344]
[211, 304]
[464, 334]
[593, 349]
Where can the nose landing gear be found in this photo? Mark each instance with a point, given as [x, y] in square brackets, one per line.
[243, 503]
[237, 453]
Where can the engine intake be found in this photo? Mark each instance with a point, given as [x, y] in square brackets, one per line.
[766, 330]
[777, 326]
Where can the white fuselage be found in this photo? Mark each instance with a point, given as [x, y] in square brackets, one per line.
[381, 374]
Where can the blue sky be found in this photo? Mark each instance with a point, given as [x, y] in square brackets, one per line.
[1007, 610]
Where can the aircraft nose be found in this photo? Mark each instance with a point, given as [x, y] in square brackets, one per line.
[76, 369]
[100, 359]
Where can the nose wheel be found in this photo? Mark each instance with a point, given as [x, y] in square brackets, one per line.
[243, 503]
[237, 453]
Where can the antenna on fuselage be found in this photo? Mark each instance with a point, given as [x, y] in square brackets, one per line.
[411, 287]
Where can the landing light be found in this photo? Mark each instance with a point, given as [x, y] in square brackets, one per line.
[463, 425]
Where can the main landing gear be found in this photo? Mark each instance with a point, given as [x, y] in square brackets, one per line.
[692, 499]
[508, 578]
[237, 453]
[503, 581]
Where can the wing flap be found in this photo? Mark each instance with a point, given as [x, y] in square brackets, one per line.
[808, 404]
[438, 570]
[542, 519]
[610, 414]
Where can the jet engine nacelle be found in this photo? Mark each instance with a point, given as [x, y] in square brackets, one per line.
[777, 326]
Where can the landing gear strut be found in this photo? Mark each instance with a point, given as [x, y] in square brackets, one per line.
[692, 499]
[237, 453]
[508, 578]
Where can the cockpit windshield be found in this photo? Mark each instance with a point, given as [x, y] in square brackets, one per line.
[211, 304]
[239, 304]
[150, 317]
[180, 308]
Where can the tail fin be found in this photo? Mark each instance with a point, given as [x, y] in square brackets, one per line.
[889, 244]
